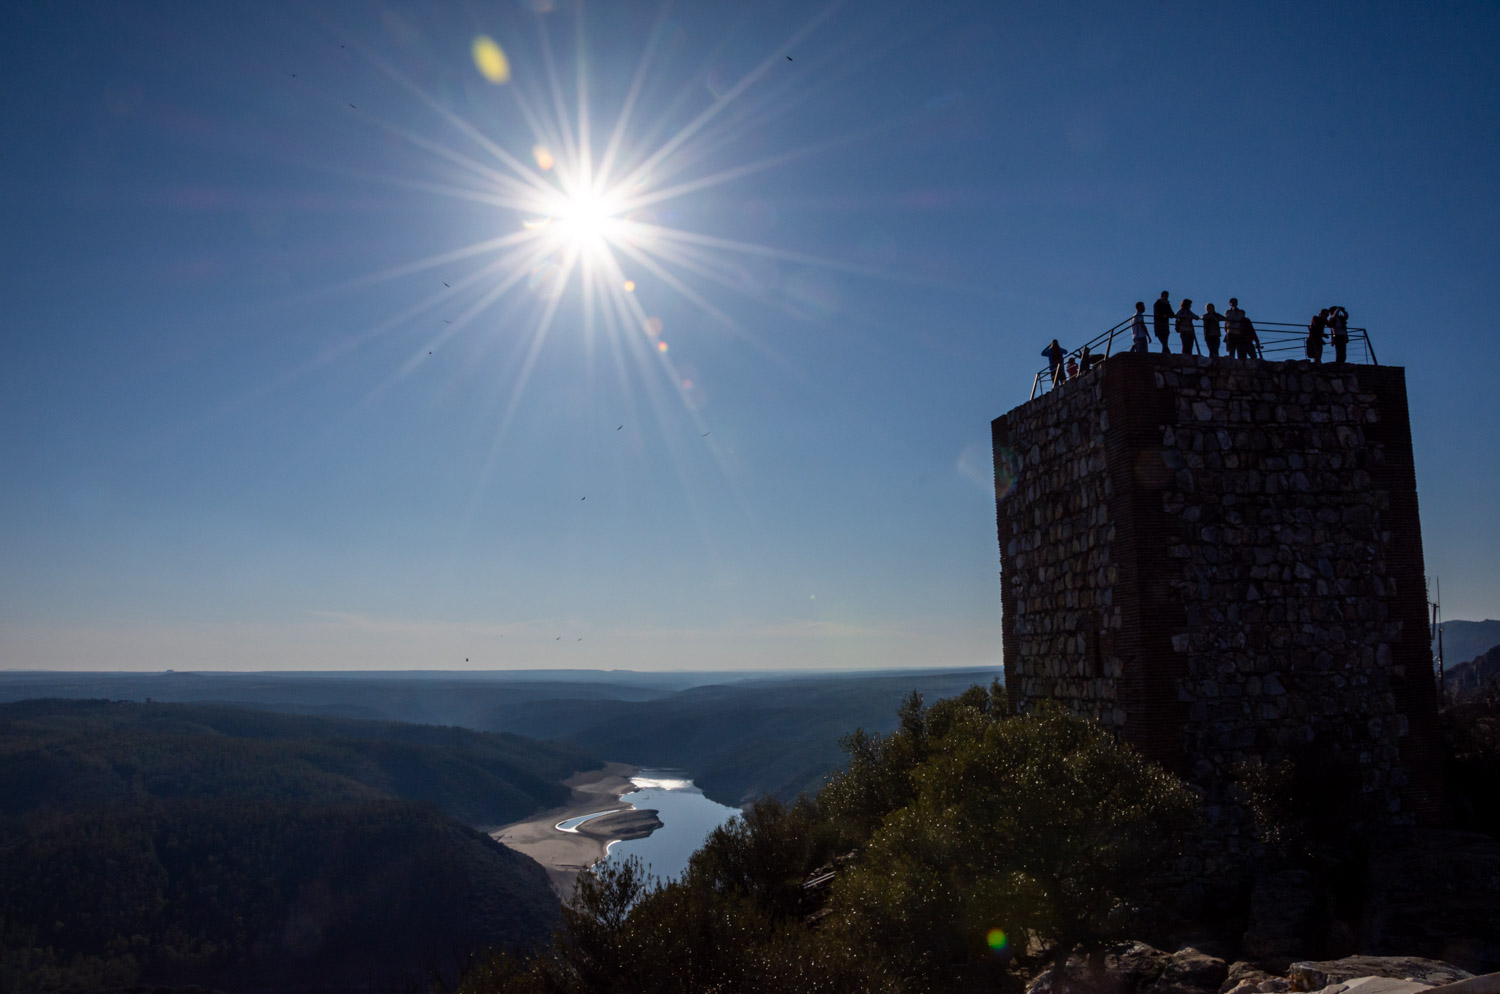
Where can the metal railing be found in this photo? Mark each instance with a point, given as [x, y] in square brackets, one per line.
[1277, 341]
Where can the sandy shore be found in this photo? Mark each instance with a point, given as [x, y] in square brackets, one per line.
[565, 853]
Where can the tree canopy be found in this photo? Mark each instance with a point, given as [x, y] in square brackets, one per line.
[965, 834]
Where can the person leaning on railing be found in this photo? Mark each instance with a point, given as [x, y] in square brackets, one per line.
[1211, 330]
[1250, 341]
[1087, 361]
[1185, 319]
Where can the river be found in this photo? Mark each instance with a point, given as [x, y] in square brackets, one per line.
[686, 815]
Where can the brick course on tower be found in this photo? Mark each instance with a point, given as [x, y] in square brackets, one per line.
[1223, 562]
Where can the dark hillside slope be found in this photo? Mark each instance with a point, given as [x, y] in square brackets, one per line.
[275, 896]
[70, 754]
[249, 851]
[746, 739]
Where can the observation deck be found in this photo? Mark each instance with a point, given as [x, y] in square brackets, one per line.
[1277, 341]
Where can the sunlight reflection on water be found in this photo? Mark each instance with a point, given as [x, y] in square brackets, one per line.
[660, 783]
[571, 825]
[687, 818]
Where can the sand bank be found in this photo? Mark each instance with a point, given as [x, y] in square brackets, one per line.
[565, 853]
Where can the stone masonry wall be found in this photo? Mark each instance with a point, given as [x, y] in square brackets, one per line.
[1051, 472]
[1222, 561]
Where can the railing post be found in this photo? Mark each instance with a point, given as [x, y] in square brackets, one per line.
[1370, 348]
[1034, 381]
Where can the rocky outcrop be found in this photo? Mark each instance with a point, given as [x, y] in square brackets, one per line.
[1316, 976]
[1129, 968]
[1467, 639]
[1470, 679]
[1137, 968]
[1191, 970]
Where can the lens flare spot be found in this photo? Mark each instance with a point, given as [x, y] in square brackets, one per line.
[630, 286]
[543, 158]
[692, 388]
[997, 940]
[546, 280]
[490, 60]
[661, 346]
[653, 326]
[1007, 471]
[533, 223]
[976, 463]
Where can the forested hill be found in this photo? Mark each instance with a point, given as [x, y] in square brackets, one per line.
[250, 851]
[65, 755]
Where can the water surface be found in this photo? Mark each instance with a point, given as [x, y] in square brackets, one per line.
[686, 815]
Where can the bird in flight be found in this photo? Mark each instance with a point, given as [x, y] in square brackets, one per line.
[789, 58]
[583, 498]
[705, 434]
[617, 429]
[449, 287]
[356, 108]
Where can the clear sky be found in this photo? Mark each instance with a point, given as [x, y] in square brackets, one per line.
[310, 363]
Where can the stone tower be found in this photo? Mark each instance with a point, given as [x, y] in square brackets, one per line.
[1223, 562]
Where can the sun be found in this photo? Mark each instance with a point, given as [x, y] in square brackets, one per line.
[582, 221]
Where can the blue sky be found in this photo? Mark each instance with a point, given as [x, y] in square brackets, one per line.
[237, 433]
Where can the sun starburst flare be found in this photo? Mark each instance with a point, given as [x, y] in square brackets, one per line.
[597, 227]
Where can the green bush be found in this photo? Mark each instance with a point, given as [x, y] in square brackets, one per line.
[963, 823]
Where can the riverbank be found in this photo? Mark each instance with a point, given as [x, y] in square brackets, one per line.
[564, 854]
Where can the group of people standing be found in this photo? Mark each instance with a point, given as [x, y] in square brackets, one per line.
[1332, 322]
[1231, 329]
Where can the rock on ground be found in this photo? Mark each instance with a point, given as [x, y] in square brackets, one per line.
[1190, 970]
[1128, 969]
[1317, 976]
